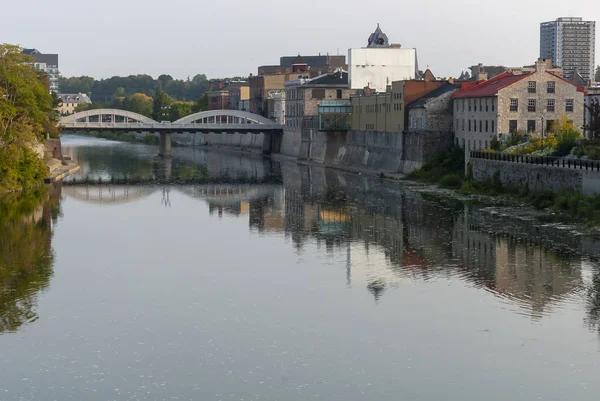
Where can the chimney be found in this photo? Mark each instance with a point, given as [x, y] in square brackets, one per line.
[482, 76]
[220, 84]
[540, 65]
[388, 88]
[367, 91]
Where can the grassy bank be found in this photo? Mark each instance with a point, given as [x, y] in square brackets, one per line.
[123, 137]
[447, 171]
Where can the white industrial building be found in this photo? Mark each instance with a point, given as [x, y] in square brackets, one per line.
[380, 63]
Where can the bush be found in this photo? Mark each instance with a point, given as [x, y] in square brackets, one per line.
[566, 142]
[495, 143]
[451, 181]
[20, 168]
[442, 164]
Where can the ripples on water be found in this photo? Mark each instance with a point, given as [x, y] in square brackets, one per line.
[227, 276]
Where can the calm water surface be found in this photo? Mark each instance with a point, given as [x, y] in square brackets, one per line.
[219, 276]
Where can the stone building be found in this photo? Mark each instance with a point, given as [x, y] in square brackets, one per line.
[386, 112]
[260, 86]
[513, 102]
[70, 102]
[239, 95]
[433, 111]
[302, 100]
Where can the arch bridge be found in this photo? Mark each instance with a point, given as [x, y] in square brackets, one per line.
[213, 121]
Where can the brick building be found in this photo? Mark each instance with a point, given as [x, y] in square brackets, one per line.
[511, 102]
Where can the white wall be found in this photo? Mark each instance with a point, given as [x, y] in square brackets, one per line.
[377, 68]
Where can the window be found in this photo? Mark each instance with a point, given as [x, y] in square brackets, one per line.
[480, 144]
[456, 124]
[486, 145]
[480, 126]
[486, 125]
[550, 87]
[463, 105]
[530, 125]
[512, 126]
[474, 104]
[474, 125]
[531, 87]
[487, 108]
[569, 106]
[550, 106]
[493, 104]
[463, 143]
[469, 125]
[463, 124]
[493, 126]
[549, 124]
[339, 94]
[318, 93]
[480, 104]
[514, 104]
[469, 104]
[531, 105]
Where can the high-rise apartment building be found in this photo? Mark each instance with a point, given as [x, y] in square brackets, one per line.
[47, 63]
[570, 43]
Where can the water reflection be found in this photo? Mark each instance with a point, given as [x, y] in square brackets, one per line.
[386, 234]
[26, 258]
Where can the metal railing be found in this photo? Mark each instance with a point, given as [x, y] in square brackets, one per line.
[589, 165]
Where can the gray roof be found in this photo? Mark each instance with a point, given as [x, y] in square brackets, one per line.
[420, 102]
[83, 98]
[48, 59]
[332, 79]
[378, 39]
[31, 51]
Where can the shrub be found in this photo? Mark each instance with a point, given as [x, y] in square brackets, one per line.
[451, 181]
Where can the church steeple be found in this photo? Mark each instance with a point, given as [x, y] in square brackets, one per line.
[378, 39]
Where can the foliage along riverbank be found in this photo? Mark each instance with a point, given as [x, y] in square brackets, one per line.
[27, 116]
[447, 170]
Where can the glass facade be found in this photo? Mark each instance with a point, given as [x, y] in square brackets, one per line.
[335, 115]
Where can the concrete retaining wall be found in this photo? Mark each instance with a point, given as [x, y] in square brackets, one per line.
[399, 152]
[537, 177]
[244, 142]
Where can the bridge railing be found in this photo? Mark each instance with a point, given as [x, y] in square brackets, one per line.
[550, 161]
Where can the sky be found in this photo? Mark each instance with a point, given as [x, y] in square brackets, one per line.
[224, 38]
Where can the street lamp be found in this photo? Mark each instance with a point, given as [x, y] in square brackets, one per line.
[542, 118]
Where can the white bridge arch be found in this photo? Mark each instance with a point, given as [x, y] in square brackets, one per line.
[106, 116]
[223, 117]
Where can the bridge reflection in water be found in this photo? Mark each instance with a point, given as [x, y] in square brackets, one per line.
[385, 236]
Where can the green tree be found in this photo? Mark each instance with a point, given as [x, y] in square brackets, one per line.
[201, 104]
[179, 110]
[138, 103]
[593, 125]
[26, 115]
[81, 84]
[160, 106]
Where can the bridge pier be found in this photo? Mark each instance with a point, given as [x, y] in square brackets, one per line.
[164, 149]
[267, 142]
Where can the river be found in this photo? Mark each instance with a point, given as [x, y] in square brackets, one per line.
[224, 276]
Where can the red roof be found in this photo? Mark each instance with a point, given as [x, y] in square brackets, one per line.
[579, 88]
[490, 87]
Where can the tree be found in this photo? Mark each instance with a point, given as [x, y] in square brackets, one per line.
[597, 77]
[26, 114]
[201, 104]
[179, 110]
[138, 103]
[81, 84]
[160, 106]
[25, 103]
[593, 125]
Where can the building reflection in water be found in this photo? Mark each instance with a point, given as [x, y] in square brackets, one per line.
[388, 237]
[26, 258]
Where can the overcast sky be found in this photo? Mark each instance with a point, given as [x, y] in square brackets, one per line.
[223, 38]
